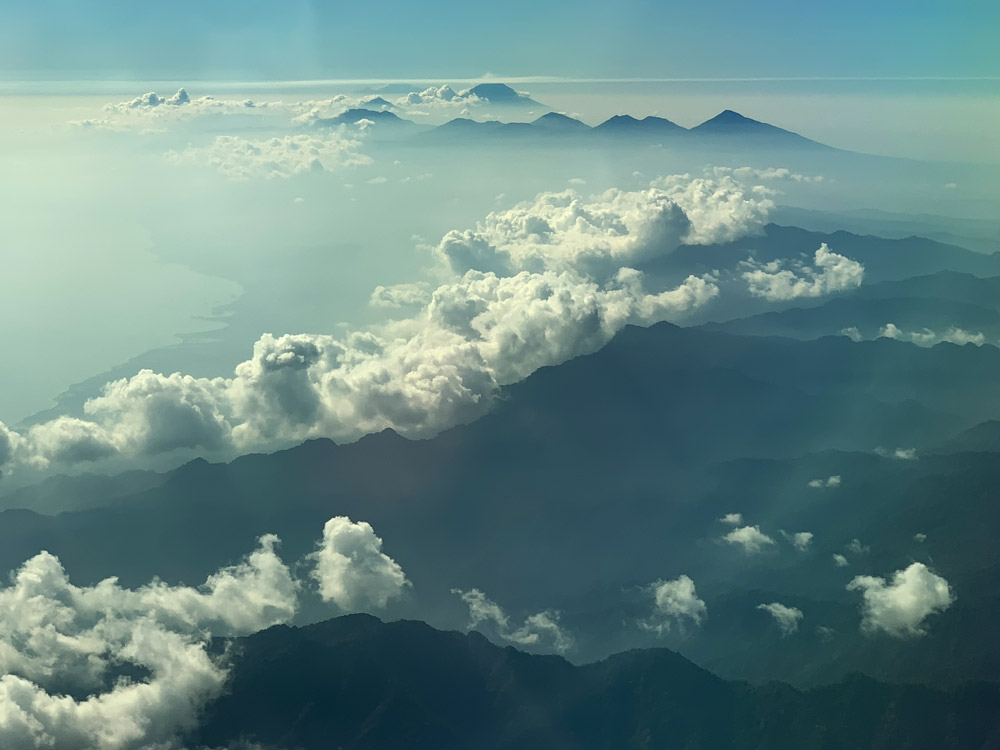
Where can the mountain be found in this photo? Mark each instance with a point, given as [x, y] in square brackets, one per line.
[626, 125]
[377, 103]
[983, 437]
[355, 682]
[733, 126]
[501, 93]
[546, 504]
[546, 127]
[554, 122]
[733, 131]
[352, 116]
[938, 306]
[883, 259]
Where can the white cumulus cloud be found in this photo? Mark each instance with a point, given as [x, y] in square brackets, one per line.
[830, 481]
[750, 538]
[674, 601]
[352, 570]
[782, 280]
[901, 606]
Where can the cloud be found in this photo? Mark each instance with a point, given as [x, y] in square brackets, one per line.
[782, 280]
[786, 617]
[674, 601]
[852, 333]
[152, 112]
[64, 650]
[721, 207]
[401, 295]
[855, 547]
[732, 519]
[900, 454]
[8, 442]
[831, 481]
[443, 365]
[443, 99]
[920, 537]
[538, 629]
[900, 608]
[750, 538]
[927, 337]
[840, 561]
[241, 159]
[800, 539]
[749, 174]
[351, 569]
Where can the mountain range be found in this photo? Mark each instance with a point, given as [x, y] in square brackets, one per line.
[355, 682]
[726, 127]
[545, 504]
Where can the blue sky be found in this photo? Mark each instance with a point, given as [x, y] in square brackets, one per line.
[296, 39]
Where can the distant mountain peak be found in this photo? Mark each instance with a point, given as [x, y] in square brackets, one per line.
[649, 125]
[558, 120]
[352, 116]
[732, 123]
[500, 93]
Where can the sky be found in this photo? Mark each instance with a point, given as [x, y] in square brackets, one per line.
[307, 39]
[205, 253]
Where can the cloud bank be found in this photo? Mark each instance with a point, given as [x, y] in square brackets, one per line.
[529, 287]
[241, 159]
[927, 337]
[58, 640]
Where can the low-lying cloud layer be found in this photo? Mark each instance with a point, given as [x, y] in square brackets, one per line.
[529, 287]
[241, 159]
[541, 629]
[927, 337]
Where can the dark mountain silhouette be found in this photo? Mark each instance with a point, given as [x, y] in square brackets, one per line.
[733, 125]
[626, 129]
[355, 682]
[626, 125]
[554, 122]
[377, 103]
[983, 437]
[352, 116]
[548, 126]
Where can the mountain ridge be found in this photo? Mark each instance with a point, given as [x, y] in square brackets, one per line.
[358, 682]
